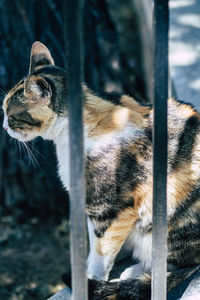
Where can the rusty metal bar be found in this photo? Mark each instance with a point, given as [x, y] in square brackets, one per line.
[73, 12]
[160, 136]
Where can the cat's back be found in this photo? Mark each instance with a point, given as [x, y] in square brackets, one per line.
[184, 136]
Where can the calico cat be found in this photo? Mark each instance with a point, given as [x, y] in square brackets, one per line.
[118, 152]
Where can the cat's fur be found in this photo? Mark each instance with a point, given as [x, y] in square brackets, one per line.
[118, 151]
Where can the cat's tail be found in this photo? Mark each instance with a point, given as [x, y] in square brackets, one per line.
[138, 288]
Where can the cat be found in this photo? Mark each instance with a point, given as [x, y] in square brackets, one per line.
[118, 154]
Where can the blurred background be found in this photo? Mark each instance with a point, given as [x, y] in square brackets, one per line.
[34, 248]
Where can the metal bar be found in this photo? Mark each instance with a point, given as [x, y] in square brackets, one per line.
[159, 243]
[73, 11]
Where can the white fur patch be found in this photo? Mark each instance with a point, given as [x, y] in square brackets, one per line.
[99, 266]
[35, 88]
[143, 248]
[58, 132]
[132, 272]
[5, 121]
[93, 145]
[63, 163]
[141, 241]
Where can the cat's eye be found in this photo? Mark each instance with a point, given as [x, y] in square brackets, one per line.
[14, 121]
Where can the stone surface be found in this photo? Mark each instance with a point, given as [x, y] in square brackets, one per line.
[184, 45]
[64, 294]
[193, 290]
[188, 290]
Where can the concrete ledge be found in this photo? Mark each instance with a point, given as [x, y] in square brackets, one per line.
[64, 294]
[188, 290]
[193, 290]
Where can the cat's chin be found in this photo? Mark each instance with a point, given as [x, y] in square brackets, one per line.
[22, 137]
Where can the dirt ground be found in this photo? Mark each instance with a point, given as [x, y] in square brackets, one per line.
[33, 258]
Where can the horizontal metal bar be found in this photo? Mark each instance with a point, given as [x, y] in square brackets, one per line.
[73, 11]
[159, 243]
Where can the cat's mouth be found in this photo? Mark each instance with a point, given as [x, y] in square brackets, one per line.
[17, 135]
[20, 136]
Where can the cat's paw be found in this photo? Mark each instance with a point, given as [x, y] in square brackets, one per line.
[132, 272]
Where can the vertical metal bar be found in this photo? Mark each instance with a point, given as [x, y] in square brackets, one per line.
[73, 11]
[159, 243]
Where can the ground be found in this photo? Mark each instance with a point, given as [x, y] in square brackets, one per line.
[33, 258]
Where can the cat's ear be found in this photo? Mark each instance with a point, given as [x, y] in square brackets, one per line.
[36, 88]
[40, 57]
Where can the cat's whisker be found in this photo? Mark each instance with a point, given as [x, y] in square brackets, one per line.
[1, 111]
[2, 96]
[28, 152]
[38, 152]
[20, 148]
[31, 155]
[3, 92]
[15, 143]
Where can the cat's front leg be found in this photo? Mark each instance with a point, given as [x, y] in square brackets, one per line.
[105, 248]
[99, 265]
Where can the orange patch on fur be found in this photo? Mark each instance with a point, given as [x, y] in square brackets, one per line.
[113, 297]
[42, 113]
[120, 117]
[181, 182]
[11, 93]
[102, 117]
[117, 233]
[179, 185]
[130, 103]
[143, 195]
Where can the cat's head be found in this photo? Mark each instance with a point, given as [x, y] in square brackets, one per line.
[34, 104]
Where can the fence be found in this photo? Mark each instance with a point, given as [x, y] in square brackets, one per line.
[73, 12]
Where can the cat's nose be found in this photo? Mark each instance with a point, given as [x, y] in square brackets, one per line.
[5, 123]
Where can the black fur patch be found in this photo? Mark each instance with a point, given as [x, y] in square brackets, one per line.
[50, 70]
[106, 185]
[42, 62]
[22, 120]
[186, 141]
[39, 60]
[15, 100]
[113, 97]
[183, 238]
